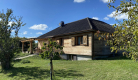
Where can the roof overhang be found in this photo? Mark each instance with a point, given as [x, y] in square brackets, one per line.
[32, 39]
[80, 32]
[27, 40]
[77, 32]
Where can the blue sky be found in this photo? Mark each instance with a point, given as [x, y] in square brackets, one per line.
[41, 16]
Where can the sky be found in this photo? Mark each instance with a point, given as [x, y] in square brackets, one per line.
[42, 16]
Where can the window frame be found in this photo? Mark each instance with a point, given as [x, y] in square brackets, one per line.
[61, 42]
[81, 40]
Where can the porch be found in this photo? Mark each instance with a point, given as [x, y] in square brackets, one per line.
[32, 50]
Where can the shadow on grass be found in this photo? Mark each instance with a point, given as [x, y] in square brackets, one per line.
[17, 60]
[67, 73]
[37, 73]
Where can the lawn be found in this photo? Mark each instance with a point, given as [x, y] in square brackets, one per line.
[21, 54]
[38, 69]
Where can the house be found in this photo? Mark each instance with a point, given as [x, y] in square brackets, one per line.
[78, 39]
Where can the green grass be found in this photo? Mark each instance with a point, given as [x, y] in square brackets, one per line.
[38, 69]
[21, 54]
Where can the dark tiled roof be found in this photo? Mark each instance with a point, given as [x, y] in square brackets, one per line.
[101, 26]
[80, 25]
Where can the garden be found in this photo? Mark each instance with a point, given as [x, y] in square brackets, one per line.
[35, 68]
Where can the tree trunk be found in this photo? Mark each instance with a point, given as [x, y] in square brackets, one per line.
[5, 65]
[51, 69]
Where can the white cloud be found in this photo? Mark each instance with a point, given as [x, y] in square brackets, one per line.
[118, 16]
[105, 1]
[25, 32]
[10, 23]
[39, 33]
[11, 30]
[106, 18]
[32, 37]
[79, 1]
[111, 24]
[95, 18]
[30, 33]
[39, 27]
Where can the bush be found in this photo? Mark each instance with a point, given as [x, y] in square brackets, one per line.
[56, 57]
[25, 61]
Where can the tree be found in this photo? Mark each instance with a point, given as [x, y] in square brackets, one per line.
[125, 36]
[9, 43]
[49, 51]
[20, 43]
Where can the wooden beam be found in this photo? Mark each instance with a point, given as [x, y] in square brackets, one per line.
[22, 46]
[27, 40]
[42, 39]
[31, 49]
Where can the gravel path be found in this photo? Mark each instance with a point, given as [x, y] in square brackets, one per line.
[23, 57]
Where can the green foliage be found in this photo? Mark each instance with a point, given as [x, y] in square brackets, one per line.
[29, 49]
[20, 54]
[56, 57]
[9, 43]
[125, 36]
[50, 50]
[25, 61]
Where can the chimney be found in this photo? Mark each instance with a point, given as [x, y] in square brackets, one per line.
[61, 24]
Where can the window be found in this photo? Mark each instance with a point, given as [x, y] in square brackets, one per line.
[61, 42]
[72, 57]
[79, 40]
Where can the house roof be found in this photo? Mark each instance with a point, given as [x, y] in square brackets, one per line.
[80, 25]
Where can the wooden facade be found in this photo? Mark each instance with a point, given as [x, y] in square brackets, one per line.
[91, 45]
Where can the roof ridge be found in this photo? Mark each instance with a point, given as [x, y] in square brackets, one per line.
[101, 21]
[89, 22]
[75, 21]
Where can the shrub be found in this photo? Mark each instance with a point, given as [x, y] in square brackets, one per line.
[25, 61]
[56, 57]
